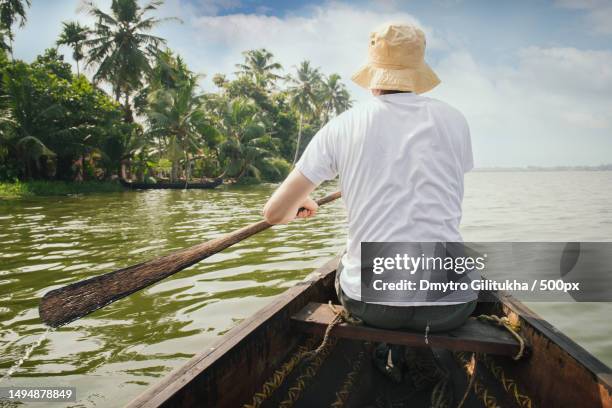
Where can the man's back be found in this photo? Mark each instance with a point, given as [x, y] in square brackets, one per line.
[401, 159]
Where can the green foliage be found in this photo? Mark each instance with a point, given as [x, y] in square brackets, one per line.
[158, 125]
[55, 188]
[55, 116]
[176, 116]
[11, 12]
[333, 97]
[5, 44]
[304, 93]
[275, 169]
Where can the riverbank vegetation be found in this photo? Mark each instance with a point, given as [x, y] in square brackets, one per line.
[18, 189]
[132, 108]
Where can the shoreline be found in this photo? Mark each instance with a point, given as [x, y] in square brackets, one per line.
[51, 188]
[24, 189]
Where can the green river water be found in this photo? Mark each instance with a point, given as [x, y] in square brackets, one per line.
[114, 354]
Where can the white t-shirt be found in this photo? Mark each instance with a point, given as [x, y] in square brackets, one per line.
[401, 159]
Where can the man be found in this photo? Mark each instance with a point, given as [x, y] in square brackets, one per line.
[401, 158]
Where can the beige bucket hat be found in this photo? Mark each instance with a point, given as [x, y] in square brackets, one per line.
[396, 61]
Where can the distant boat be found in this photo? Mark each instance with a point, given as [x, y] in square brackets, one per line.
[171, 186]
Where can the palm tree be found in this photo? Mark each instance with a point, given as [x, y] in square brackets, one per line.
[4, 44]
[334, 97]
[168, 72]
[74, 35]
[303, 92]
[176, 116]
[246, 142]
[11, 12]
[258, 66]
[122, 47]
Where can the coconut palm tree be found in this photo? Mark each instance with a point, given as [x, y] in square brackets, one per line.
[303, 92]
[168, 72]
[11, 12]
[258, 66]
[122, 47]
[176, 116]
[246, 142]
[74, 35]
[334, 97]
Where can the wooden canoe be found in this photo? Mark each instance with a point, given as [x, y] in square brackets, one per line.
[556, 372]
[171, 186]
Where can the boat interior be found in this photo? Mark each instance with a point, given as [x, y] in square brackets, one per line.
[268, 361]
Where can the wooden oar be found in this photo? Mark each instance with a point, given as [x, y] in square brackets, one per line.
[64, 305]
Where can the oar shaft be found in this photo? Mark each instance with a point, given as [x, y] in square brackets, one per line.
[66, 304]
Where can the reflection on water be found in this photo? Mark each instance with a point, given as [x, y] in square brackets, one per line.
[113, 354]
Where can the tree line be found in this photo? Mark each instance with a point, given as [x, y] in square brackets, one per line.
[143, 115]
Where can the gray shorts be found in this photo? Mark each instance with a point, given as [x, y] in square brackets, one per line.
[438, 318]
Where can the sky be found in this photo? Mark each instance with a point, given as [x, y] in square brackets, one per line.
[533, 77]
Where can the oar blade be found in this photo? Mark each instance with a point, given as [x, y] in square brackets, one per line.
[71, 302]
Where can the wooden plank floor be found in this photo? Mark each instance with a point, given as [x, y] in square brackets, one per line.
[474, 335]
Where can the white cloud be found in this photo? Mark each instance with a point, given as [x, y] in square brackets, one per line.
[599, 13]
[552, 107]
[333, 36]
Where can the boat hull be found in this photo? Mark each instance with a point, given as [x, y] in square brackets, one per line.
[556, 373]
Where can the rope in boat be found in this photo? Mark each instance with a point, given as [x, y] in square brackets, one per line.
[471, 368]
[279, 376]
[438, 399]
[440, 393]
[303, 380]
[317, 355]
[512, 328]
[509, 384]
[349, 382]
[480, 390]
[346, 316]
